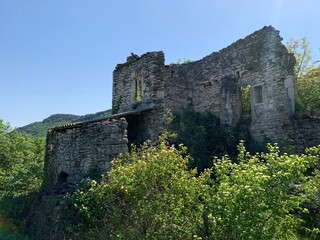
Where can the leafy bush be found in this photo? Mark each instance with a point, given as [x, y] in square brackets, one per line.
[261, 196]
[151, 194]
[246, 103]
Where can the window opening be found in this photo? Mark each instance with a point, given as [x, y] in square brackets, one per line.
[137, 87]
[257, 94]
[246, 103]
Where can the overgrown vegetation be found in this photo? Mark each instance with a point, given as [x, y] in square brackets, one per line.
[246, 104]
[184, 61]
[21, 168]
[308, 97]
[116, 105]
[151, 194]
[307, 75]
[205, 137]
[155, 191]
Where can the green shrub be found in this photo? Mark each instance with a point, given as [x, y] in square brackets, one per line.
[262, 196]
[151, 194]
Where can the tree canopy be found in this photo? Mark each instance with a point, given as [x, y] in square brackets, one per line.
[21, 168]
[307, 75]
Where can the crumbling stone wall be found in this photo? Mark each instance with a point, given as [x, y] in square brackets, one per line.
[148, 70]
[147, 125]
[214, 84]
[78, 150]
[138, 84]
[303, 132]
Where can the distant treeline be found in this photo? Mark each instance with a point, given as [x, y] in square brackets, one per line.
[39, 129]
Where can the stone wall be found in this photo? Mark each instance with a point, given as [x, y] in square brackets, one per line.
[79, 150]
[139, 74]
[138, 85]
[214, 83]
[144, 88]
[303, 132]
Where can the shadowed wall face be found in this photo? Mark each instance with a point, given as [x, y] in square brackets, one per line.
[80, 151]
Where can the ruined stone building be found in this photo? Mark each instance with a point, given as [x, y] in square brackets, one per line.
[213, 84]
[144, 89]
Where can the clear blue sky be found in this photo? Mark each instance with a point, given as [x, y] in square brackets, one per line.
[58, 56]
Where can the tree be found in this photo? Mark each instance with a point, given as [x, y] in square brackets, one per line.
[308, 92]
[307, 77]
[303, 54]
[203, 135]
[21, 167]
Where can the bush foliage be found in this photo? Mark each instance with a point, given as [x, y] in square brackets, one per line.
[150, 193]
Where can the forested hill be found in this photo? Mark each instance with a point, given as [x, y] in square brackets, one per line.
[40, 128]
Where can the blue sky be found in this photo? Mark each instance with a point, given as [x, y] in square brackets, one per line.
[58, 56]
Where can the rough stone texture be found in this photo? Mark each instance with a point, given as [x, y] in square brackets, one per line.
[149, 67]
[149, 70]
[46, 218]
[80, 150]
[213, 84]
[303, 132]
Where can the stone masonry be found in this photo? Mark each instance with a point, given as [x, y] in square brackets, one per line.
[214, 84]
[303, 131]
[80, 150]
[139, 84]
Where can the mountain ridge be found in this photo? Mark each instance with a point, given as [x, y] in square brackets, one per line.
[39, 129]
